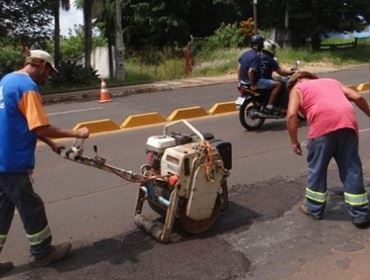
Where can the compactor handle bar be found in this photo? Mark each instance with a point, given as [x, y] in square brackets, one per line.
[75, 154]
[185, 122]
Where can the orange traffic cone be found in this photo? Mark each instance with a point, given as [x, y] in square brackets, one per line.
[104, 94]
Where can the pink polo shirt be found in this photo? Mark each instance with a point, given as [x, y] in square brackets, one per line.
[326, 107]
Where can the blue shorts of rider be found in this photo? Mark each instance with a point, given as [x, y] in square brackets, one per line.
[342, 145]
[265, 84]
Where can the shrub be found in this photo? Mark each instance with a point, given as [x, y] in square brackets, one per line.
[226, 36]
[72, 74]
[10, 60]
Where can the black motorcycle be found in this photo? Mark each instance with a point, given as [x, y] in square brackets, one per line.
[250, 104]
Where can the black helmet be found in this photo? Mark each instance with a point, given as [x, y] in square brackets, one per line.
[256, 42]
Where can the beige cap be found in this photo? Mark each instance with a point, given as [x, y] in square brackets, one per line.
[43, 55]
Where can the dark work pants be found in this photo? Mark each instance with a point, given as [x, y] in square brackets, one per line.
[16, 191]
[342, 145]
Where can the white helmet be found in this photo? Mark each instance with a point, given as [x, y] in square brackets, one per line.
[270, 46]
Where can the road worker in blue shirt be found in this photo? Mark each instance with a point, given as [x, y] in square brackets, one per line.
[23, 122]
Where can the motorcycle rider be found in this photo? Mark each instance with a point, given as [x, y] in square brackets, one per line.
[249, 72]
[269, 65]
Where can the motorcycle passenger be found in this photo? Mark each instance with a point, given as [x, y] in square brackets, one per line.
[249, 72]
[269, 65]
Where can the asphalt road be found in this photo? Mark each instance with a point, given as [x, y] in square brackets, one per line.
[69, 114]
[262, 236]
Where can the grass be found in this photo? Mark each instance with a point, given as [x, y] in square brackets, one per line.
[224, 61]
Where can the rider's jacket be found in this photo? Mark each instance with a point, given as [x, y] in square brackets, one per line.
[268, 65]
[20, 113]
[249, 59]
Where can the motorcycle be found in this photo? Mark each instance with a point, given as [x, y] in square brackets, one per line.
[250, 104]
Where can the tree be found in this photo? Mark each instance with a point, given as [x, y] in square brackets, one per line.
[87, 11]
[55, 6]
[313, 18]
[159, 23]
[119, 49]
[26, 22]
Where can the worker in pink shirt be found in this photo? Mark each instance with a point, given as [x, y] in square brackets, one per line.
[333, 133]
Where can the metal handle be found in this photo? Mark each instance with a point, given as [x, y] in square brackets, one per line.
[185, 122]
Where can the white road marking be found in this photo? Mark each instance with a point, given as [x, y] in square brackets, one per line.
[75, 111]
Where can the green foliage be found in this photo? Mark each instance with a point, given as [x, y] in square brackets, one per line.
[226, 36]
[160, 23]
[154, 23]
[27, 22]
[11, 59]
[313, 18]
[71, 74]
[72, 46]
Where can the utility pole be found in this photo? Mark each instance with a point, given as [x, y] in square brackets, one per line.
[119, 49]
[255, 15]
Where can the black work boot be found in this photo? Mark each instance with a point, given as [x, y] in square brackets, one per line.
[58, 252]
[5, 267]
[304, 209]
[361, 221]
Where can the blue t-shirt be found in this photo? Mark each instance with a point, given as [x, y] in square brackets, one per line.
[249, 59]
[267, 66]
[17, 141]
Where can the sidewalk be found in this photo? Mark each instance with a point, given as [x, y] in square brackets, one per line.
[142, 88]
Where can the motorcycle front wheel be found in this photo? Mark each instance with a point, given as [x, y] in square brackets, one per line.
[247, 115]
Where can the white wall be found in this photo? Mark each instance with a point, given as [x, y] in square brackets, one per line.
[100, 61]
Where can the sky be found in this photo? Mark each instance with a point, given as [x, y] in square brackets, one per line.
[69, 18]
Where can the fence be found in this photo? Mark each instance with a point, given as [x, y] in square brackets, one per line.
[350, 45]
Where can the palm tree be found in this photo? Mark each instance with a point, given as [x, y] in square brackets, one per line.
[87, 11]
[56, 5]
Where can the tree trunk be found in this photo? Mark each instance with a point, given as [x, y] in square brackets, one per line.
[315, 42]
[110, 57]
[56, 34]
[119, 48]
[87, 10]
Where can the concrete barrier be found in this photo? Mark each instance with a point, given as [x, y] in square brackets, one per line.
[364, 87]
[142, 119]
[187, 113]
[98, 125]
[183, 113]
[223, 107]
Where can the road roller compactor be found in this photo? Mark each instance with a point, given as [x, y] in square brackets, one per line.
[183, 180]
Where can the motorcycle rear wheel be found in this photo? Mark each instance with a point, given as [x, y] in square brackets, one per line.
[246, 118]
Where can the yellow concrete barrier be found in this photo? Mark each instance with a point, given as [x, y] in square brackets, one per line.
[143, 119]
[363, 87]
[223, 107]
[98, 125]
[187, 113]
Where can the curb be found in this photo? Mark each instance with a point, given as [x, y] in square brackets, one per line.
[91, 94]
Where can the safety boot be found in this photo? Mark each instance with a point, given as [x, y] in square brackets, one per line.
[58, 252]
[361, 221]
[5, 267]
[304, 209]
